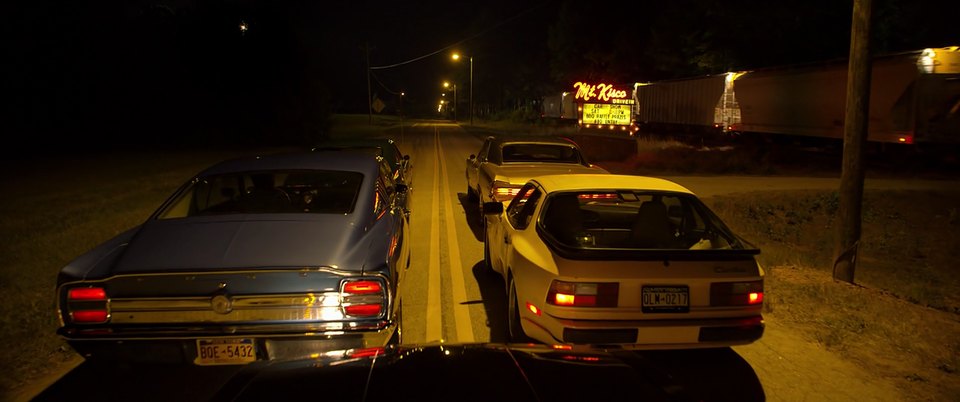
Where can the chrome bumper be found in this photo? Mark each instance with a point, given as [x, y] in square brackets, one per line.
[178, 345]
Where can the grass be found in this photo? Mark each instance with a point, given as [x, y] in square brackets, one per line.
[907, 245]
[60, 212]
[900, 319]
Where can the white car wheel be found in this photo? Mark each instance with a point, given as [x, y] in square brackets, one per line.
[471, 194]
[513, 317]
[487, 265]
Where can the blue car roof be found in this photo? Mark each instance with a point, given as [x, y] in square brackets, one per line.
[319, 160]
[388, 146]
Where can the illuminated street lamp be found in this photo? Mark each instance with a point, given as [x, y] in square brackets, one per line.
[447, 85]
[456, 57]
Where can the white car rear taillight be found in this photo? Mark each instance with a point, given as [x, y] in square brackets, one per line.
[583, 294]
[736, 293]
[503, 191]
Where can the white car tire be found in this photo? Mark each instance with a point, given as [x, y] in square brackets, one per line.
[514, 327]
[487, 265]
[471, 194]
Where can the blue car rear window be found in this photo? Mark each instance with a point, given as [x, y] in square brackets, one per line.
[267, 192]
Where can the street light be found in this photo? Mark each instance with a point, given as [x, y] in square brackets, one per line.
[456, 57]
[447, 85]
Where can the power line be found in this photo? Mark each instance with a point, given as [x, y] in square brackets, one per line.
[385, 87]
[458, 43]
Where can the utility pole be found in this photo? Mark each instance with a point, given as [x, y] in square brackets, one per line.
[456, 56]
[855, 128]
[400, 111]
[366, 47]
[471, 90]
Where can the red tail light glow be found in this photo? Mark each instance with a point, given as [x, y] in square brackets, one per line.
[362, 287]
[604, 196]
[364, 298]
[581, 358]
[561, 299]
[366, 352]
[363, 310]
[533, 309]
[503, 192]
[86, 294]
[736, 293]
[580, 294]
[89, 316]
[88, 305]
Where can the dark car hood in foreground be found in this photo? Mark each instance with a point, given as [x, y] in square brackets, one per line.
[232, 242]
[465, 372]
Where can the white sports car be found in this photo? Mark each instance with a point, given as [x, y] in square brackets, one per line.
[624, 260]
[506, 163]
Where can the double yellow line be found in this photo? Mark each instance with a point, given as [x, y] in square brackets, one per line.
[463, 321]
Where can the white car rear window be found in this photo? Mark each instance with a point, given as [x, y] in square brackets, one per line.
[633, 220]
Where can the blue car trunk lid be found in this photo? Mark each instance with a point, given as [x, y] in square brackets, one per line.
[216, 244]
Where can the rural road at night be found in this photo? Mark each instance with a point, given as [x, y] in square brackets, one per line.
[451, 299]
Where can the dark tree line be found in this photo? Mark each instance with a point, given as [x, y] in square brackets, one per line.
[652, 40]
[565, 41]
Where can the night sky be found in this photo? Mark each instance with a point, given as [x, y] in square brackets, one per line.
[94, 73]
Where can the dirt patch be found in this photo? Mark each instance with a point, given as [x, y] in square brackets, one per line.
[899, 325]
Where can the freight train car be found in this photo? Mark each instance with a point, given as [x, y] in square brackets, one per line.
[689, 105]
[560, 107]
[914, 99]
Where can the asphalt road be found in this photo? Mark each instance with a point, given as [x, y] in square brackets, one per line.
[450, 299]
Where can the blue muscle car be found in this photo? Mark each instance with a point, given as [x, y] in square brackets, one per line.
[276, 256]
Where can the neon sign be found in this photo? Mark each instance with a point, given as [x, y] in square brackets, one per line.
[601, 92]
[604, 113]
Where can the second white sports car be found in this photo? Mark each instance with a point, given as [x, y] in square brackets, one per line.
[506, 163]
